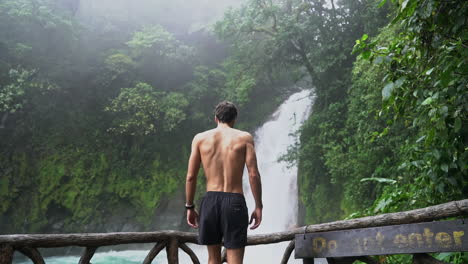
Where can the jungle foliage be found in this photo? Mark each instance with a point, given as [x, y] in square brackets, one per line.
[425, 93]
[96, 118]
[388, 129]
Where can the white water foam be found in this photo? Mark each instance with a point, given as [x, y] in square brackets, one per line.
[125, 257]
[279, 182]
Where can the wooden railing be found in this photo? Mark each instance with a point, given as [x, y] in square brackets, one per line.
[28, 244]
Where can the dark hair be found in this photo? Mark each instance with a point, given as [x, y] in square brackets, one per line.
[225, 112]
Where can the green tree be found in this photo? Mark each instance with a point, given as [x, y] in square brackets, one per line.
[142, 110]
[424, 87]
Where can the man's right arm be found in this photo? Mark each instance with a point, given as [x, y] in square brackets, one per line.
[255, 181]
[191, 182]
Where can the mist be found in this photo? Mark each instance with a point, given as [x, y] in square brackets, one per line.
[178, 16]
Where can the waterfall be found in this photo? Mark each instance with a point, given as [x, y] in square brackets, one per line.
[279, 182]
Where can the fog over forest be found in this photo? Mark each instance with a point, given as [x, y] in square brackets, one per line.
[178, 16]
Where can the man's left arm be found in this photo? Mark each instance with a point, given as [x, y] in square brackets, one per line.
[191, 182]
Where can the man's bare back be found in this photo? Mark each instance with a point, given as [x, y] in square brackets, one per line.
[223, 152]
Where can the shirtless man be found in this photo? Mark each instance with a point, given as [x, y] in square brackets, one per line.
[223, 152]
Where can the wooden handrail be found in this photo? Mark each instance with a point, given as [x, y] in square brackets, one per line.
[27, 243]
[427, 214]
[95, 239]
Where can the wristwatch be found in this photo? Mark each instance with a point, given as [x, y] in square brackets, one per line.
[189, 206]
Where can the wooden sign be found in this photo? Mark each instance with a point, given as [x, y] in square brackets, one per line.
[442, 236]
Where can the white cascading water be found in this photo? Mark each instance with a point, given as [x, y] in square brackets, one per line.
[279, 182]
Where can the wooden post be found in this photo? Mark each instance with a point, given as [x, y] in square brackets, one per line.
[190, 252]
[287, 252]
[33, 254]
[172, 250]
[6, 254]
[87, 255]
[154, 252]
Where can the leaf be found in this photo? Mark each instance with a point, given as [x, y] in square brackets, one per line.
[380, 180]
[382, 204]
[421, 139]
[457, 125]
[364, 37]
[378, 60]
[366, 54]
[399, 82]
[403, 165]
[452, 181]
[445, 256]
[407, 9]
[404, 4]
[382, 3]
[387, 90]
[444, 167]
[428, 72]
[427, 101]
[443, 111]
[426, 12]
[441, 187]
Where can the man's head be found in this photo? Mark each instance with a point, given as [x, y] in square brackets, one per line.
[225, 112]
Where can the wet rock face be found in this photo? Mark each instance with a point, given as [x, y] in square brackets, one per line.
[170, 215]
[58, 225]
[118, 222]
[123, 217]
[56, 217]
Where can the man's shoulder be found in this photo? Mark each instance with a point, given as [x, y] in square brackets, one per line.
[244, 135]
[202, 135]
[240, 134]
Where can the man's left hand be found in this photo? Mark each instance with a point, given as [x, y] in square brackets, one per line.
[192, 218]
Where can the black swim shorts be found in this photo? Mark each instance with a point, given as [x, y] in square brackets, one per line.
[223, 215]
